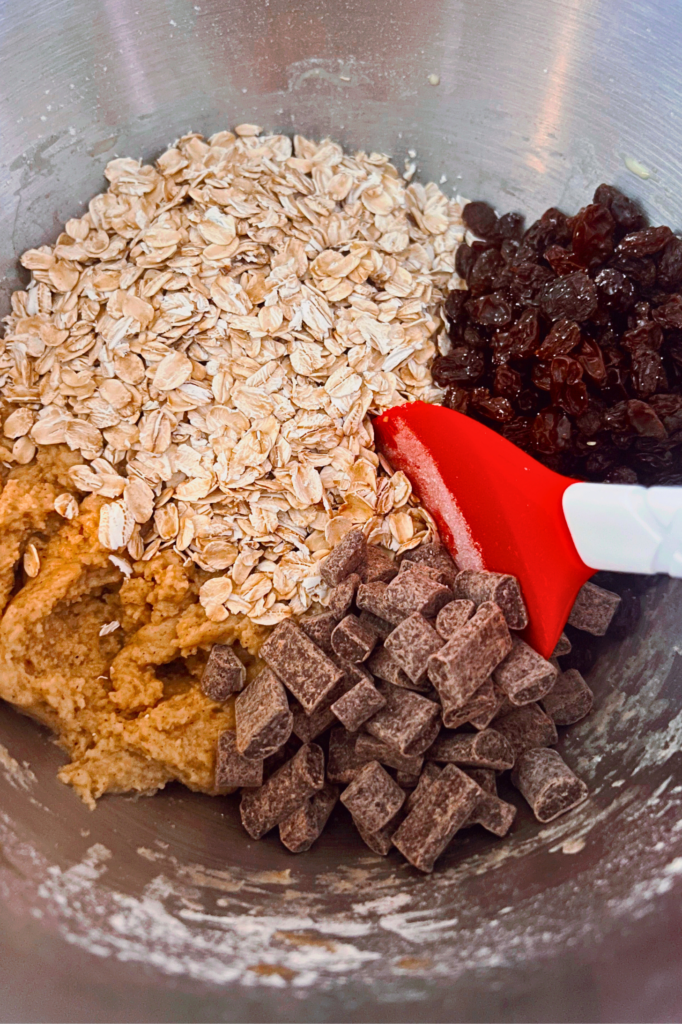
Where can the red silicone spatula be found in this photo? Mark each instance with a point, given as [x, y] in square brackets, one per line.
[497, 508]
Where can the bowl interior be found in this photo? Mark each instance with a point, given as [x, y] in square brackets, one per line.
[161, 909]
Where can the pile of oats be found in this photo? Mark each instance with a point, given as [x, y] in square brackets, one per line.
[212, 337]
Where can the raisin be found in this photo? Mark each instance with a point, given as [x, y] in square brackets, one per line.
[481, 219]
[484, 271]
[624, 211]
[591, 359]
[519, 432]
[669, 274]
[589, 422]
[644, 419]
[561, 260]
[613, 388]
[593, 229]
[669, 315]
[567, 388]
[573, 297]
[642, 272]
[474, 338]
[646, 335]
[647, 373]
[460, 365]
[584, 341]
[645, 242]
[551, 430]
[529, 281]
[668, 408]
[499, 409]
[491, 310]
[621, 475]
[562, 339]
[510, 226]
[575, 399]
[541, 375]
[456, 398]
[528, 402]
[551, 229]
[615, 419]
[615, 290]
[465, 258]
[507, 382]
[454, 303]
[509, 250]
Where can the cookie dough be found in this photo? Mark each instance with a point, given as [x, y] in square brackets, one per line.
[126, 706]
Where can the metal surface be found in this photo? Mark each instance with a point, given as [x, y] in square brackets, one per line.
[159, 909]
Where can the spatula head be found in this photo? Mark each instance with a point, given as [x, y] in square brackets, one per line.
[496, 507]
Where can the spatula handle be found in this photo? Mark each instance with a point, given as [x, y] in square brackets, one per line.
[626, 528]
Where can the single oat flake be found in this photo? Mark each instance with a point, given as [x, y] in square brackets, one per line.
[212, 338]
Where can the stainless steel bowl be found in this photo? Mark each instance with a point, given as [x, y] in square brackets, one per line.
[159, 909]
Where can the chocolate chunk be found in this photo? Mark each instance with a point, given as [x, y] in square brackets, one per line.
[406, 780]
[319, 629]
[495, 815]
[284, 792]
[484, 704]
[344, 559]
[526, 727]
[547, 783]
[436, 556]
[524, 675]
[299, 831]
[569, 700]
[352, 674]
[303, 668]
[224, 673]
[381, 627]
[496, 703]
[377, 566]
[353, 641]
[380, 842]
[593, 609]
[459, 668]
[430, 772]
[480, 585]
[411, 592]
[382, 664]
[231, 769]
[262, 716]
[373, 597]
[411, 644]
[369, 748]
[309, 727]
[436, 816]
[373, 797]
[563, 646]
[483, 777]
[426, 571]
[358, 704]
[453, 616]
[343, 762]
[409, 722]
[341, 597]
[485, 749]
[273, 762]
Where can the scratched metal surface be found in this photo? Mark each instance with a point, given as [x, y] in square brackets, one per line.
[159, 910]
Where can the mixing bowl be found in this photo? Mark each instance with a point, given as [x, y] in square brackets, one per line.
[160, 909]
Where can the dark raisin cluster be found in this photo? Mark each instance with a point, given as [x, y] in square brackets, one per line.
[568, 339]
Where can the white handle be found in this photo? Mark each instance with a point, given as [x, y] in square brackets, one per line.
[626, 528]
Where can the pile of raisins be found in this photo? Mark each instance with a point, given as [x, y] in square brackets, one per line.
[568, 338]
